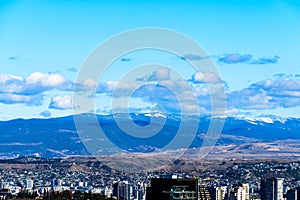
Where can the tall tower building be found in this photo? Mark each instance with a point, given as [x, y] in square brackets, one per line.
[140, 191]
[239, 192]
[204, 193]
[245, 188]
[56, 182]
[121, 190]
[218, 193]
[29, 184]
[272, 189]
[293, 194]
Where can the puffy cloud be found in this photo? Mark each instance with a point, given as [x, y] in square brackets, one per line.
[248, 99]
[205, 77]
[178, 95]
[46, 80]
[267, 94]
[8, 98]
[12, 91]
[45, 113]
[61, 102]
[123, 88]
[172, 96]
[10, 84]
[8, 77]
[263, 95]
[234, 58]
[116, 88]
[108, 86]
[35, 83]
[159, 74]
[15, 89]
[88, 84]
[279, 87]
[176, 85]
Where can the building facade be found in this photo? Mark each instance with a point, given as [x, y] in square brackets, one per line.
[172, 188]
[121, 190]
[272, 189]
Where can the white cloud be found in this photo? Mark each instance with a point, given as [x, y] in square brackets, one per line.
[15, 89]
[8, 98]
[268, 94]
[7, 77]
[205, 77]
[159, 74]
[88, 84]
[280, 92]
[118, 88]
[162, 74]
[45, 80]
[33, 84]
[10, 83]
[61, 102]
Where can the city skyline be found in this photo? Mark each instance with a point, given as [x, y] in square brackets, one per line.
[245, 180]
[253, 44]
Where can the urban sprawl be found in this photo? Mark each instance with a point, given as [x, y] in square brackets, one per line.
[37, 178]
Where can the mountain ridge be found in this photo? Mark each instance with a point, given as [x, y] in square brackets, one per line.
[59, 137]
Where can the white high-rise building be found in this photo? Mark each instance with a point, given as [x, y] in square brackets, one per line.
[240, 192]
[245, 187]
[218, 193]
[29, 184]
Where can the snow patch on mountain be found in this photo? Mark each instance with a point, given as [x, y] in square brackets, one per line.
[157, 114]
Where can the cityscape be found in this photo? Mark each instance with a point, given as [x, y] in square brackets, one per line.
[29, 178]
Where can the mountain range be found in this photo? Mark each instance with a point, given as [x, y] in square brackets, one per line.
[61, 137]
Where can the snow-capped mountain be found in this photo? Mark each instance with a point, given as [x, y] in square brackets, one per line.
[57, 137]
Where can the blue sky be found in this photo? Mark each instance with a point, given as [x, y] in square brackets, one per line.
[255, 46]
